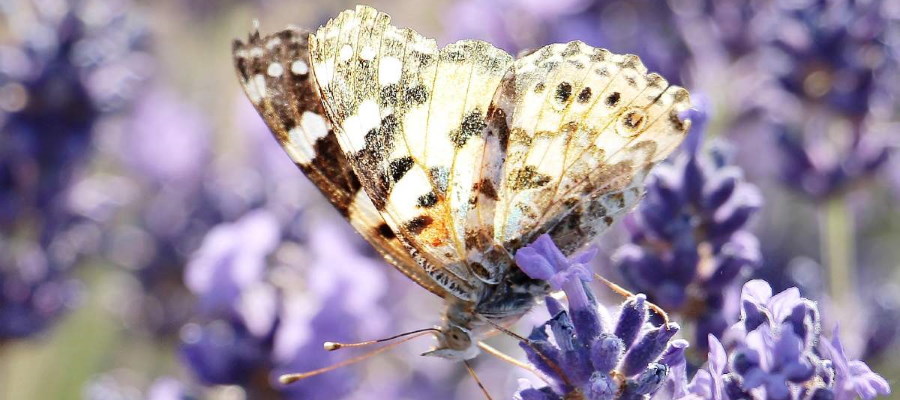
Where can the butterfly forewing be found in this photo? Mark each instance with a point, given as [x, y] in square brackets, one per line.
[276, 74]
[412, 116]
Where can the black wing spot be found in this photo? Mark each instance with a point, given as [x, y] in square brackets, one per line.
[418, 224]
[528, 178]
[385, 231]
[417, 94]
[427, 200]
[585, 95]
[472, 125]
[399, 167]
[563, 92]
[613, 99]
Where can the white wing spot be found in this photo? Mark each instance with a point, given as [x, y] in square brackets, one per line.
[346, 52]
[402, 199]
[357, 125]
[327, 73]
[304, 136]
[389, 71]
[256, 88]
[300, 149]
[314, 125]
[367, 53]
[299, 68]
[273, 43]
[275, 70]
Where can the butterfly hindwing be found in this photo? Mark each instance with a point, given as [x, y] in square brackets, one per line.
[411, 119]
[582, 128]
[275, 72]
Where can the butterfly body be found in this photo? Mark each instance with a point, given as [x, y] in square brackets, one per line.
[449, 160]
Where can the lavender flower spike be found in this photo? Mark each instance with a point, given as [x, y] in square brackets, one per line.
[630, 361]
[778, 358]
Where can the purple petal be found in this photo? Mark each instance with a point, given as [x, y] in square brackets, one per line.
[534, 264]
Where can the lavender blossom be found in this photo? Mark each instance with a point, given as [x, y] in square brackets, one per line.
[53, 92]
[689, 244]
[776, 351]
[827, 57]
[629, 360]
[820, 168]
[735, 26]
[259, 318]
[830, 52]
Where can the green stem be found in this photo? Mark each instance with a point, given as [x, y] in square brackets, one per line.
[837, 246]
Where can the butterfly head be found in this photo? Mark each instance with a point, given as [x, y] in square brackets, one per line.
[455, 343]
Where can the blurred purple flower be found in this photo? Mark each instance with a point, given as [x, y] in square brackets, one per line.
[689, 244]
[265, 320]
[830, 52]
[819, 168]
[641, 27]
[736, 26]
[585, 358]
[52, 95]
[828, 56]
[231, 259]
[32, 293]
[169, 388]
[168, 140]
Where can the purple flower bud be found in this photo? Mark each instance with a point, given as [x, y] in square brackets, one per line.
[587, 325]
[632, 319]
[699, 116]
[735, 218]
[648, 349]
[606, 352]
[646, 383]
[733, 389]
[543, 260]
[674, 354]
[553, 306]
[720, 188]
[693, 181]
[538, 342]
[602, 386]
[537, 394]
[821, 394]
[639, 266]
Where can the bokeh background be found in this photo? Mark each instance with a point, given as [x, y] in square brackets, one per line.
[156, 243]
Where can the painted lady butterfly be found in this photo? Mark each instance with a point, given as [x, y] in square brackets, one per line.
[449, 160]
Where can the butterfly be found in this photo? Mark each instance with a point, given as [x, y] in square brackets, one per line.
[448, 160]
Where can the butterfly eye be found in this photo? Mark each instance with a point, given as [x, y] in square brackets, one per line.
[631, 122]
[457, 339]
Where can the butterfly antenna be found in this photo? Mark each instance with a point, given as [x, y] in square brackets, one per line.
[291, 378]
[471, 370]
[332, 346]
[556, 369]
[510, 360]
[626, 294]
